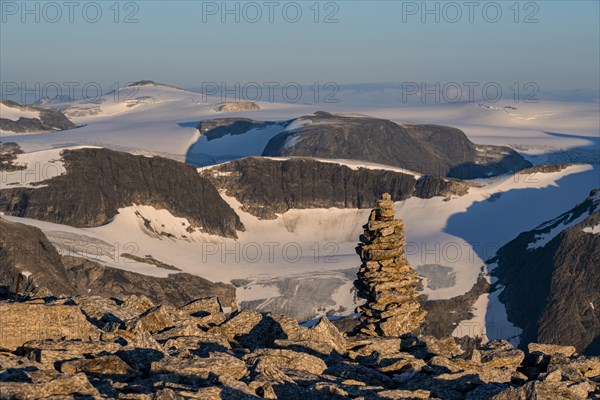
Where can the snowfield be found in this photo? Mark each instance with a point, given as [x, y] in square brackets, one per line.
[157, 119]
[277, 264]
[232, 147]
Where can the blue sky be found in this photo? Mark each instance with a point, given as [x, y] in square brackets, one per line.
[185, 43]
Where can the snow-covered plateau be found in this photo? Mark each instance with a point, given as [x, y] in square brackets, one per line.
[276, 264]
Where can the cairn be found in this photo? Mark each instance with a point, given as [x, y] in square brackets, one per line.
[385, 278]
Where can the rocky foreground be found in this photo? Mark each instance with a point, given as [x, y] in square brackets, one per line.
[93, 347]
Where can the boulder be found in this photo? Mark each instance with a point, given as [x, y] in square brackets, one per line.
[105, 366]
[216, 364]
[51, 351]
[24, 322]
[286, 359]
[63, 386]
[550, 349]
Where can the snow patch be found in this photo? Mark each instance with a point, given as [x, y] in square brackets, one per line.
[297, 124]
[256, 292]
[489, 321]
[38, 167]
[355, 165]
[542, 239]
[14, 113]
[291, 141]
[594, 230]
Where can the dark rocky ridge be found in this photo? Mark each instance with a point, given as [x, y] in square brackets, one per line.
[445, 314]
[49, 120]
[219, 127]
[429, 149]
[266, 187]
[8, 155]
[237, 106]
[100, 181]
[545, 168]
[551, 292]
[177, 289]
[25, 248]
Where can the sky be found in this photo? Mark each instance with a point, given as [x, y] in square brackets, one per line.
[553, 44]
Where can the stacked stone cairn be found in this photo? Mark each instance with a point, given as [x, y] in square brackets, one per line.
[386, 279]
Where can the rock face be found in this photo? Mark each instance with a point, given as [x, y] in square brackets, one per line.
[429, 149]
[48, 121]
[25, 249]
[237, 106]
[98, 182]
[386, 279]
[8, 154]
[443, 315]
[216, 128]
[176, 289]
[551, 279]
[266, 187]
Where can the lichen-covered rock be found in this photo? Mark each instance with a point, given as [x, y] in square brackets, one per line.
[237, 106]
[239, 324]
[23, 322]
[446, 347]
[540, 390]
[270, 356]
[500, 354]
[404, 394]
[138, 304]
[50, 351]
[108, 366]
[202, 307]
[62, 385]
[325, 332]
[286, 359]
[201, 344]
[216, 364]
[157, 319]
[551, 349]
